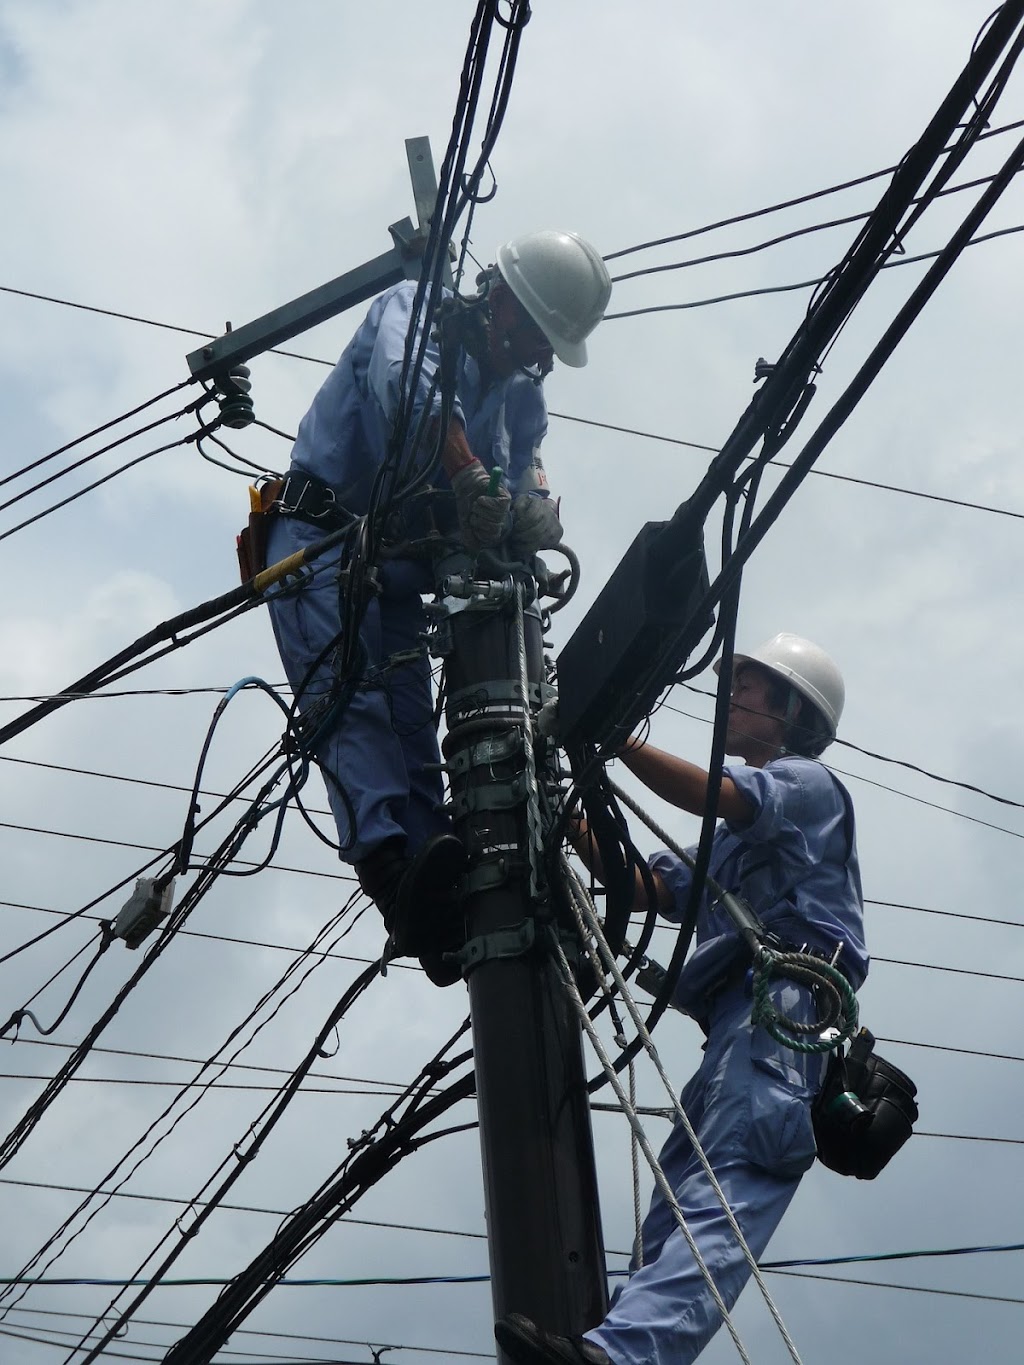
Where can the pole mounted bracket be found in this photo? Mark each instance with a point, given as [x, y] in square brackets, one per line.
[515, 941]
[356, 286]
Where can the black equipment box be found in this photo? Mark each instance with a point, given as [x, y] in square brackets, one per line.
[636, 637]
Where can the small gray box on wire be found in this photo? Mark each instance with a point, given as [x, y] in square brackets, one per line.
[143, 911]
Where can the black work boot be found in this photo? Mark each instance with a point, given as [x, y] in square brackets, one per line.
[529, 1344]
[418, 898]
[380, 875]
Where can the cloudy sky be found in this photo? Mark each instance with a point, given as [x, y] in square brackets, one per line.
[190, 164]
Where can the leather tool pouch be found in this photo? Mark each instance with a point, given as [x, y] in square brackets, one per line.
[251, 541]
[865, 1111]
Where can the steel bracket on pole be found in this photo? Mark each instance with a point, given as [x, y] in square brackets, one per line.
[402, 262]
[501, 692]
[495, 796]
[513, 942]
[495, 872]
[487, 752]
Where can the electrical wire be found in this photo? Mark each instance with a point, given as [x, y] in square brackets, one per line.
[790, 236]
[95, 454]
[881, 758]
[96, 431]
[282, 1336]
[799, 284]
[161, 1127]
[234, 1164]
[818, 473]
[789, 203]
[97, 483]
[205, 878]
[376, 1153]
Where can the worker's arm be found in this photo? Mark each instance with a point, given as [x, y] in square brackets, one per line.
[482, 504]
[684, 784]
[456, 453]
[586, 847]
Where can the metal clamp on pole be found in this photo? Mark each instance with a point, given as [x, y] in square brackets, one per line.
[515, 941]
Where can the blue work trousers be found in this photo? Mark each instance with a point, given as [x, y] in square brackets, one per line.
[749, 1104]
[383, 748]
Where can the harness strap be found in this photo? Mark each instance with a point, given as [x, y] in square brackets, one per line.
[310, 499]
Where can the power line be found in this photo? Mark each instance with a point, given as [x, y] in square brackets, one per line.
[908, 1288]
[127, 692]
[789, 236]
[782, 464]
[152, 848]
[563, 416]
[234, 1066]
[282, 1336]
[786, 203]
[368, 1081]
[223, 938]
[385, 1281]
[209, 1087]
[247, 1208]
[55, 507]
[933, 805]
[96, 431]
[136, 781]
[947, 914]
[895, 791]
[800, 284]
[666, 928]
[148, 322]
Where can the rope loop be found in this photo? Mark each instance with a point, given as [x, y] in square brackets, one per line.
[834, 996]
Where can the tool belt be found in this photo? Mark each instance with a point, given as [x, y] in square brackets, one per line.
[298, 494]
[865, 1111]
[416, 528]
[305, 496]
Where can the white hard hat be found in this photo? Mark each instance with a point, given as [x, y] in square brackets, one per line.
[561, 281]
[807, 669]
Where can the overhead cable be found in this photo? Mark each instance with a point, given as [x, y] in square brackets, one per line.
[802, 284]
[787, 203]
[237, 1162]
[280, 1336]
[188, 1097]
[97, 483]
[782, 464]
[790, 236]
[96, 431]
[885, 758]
[378, 1151]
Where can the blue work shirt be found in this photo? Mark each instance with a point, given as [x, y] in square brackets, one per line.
[343, 438]
[795, 863]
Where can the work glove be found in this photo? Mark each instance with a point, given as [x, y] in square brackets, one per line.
[535, 525]
[483, 515]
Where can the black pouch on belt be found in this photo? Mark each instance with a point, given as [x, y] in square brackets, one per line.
[865, 1112]
[251, 541]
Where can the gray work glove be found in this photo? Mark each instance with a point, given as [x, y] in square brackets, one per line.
[483, 515]
[535, 525]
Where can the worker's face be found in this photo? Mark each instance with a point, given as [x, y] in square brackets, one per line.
[516, 342]
[756, 727]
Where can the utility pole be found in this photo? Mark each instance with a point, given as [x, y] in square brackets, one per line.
[540, 1185]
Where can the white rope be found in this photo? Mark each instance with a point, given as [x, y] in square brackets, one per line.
[634, 1159]
[533, 824]
[659, 1175]
[653, 825]
[587, 919]
[620, 1040]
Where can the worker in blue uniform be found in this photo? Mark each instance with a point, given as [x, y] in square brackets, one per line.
[786, 845]
[546, 293]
